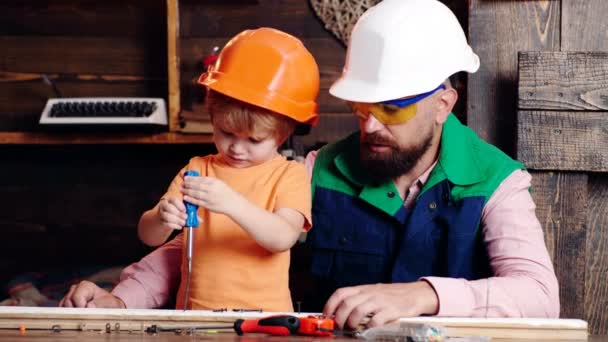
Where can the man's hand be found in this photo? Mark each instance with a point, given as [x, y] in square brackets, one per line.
[88, 295]
[383, 302]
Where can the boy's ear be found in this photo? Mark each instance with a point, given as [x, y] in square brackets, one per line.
[444, 103]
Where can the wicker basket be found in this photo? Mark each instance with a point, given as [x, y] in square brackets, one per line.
[339, 16]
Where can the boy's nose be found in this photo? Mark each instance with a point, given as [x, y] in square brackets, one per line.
[237, 147]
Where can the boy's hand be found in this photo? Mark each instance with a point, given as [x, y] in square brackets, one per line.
[172, 212]
[210, 193]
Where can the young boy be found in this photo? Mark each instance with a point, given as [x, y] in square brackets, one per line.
[253, 203]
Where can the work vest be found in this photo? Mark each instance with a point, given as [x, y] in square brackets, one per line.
[363, 234]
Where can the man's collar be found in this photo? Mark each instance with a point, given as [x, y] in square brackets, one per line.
[456, 157]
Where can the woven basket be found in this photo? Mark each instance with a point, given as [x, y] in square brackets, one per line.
[339, 16]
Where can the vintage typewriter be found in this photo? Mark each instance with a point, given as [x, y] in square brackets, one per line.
[105, 113]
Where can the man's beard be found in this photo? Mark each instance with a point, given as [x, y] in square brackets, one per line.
[394, 163]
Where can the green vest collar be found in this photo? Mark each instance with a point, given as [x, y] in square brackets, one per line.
[457, 157]
[457, 161]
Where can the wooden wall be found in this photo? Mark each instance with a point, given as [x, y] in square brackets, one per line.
[570, 201]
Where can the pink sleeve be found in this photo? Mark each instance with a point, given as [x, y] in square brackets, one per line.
[524, 284]
[309, 162]
[153, 281]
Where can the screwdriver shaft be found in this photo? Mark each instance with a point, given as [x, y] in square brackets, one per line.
[189, 248]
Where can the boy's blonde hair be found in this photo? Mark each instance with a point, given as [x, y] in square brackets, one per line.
[244, 118]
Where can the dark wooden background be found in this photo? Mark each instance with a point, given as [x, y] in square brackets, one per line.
[64, 205]
[570, 201]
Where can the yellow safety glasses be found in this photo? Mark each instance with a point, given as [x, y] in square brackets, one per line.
[392, 112]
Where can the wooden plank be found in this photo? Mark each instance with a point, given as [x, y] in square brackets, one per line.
[227, 18]
[497, 30]
[331, 127]
[584, 25]
[74, 205]
[122, 319]
[507, 328]
[584, 29]
[596, 284]
[563, 80]
[117, 18]
[576, 141]
[173, 64]
[85, 55]
[561, 200]
[71, 247]
[138, 319]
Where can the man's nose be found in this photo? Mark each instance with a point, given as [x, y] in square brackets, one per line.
[371, 124]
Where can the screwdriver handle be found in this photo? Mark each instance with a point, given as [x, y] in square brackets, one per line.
[192, 219]
[281, 325]
[316, 326]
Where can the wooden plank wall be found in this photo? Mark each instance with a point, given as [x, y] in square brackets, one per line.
[562, 125]
[570, 204]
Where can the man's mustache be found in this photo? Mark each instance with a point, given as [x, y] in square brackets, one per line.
[377, 139]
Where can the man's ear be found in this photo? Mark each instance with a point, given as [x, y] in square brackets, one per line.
[444, 103]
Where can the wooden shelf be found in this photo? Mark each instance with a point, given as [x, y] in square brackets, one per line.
[36, 138]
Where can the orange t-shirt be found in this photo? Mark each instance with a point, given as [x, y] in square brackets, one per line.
[229, 268]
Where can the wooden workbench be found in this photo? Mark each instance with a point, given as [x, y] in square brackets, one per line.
[48, 336]
[59, 324]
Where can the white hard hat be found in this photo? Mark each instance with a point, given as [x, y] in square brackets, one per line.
[400, 48]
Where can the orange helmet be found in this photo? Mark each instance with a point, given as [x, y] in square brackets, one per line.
[270, 69]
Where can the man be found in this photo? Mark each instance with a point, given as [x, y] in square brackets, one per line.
[413, 215]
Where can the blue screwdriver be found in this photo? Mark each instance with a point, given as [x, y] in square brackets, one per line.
[191, 222]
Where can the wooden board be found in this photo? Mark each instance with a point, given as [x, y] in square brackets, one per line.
[62, 18]
[563, 80]
[596, 272]
[140, 320]
[497, 31]
[575, 141]
[173, 64]
[519, 328]
[584, 25]
[561, 200]
[584, 29]
[227, 18]
[118, 319]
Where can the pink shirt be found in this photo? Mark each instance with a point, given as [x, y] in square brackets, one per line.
[524, 283]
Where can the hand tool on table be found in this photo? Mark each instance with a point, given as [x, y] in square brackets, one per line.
[191, 222]
[280, 325]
